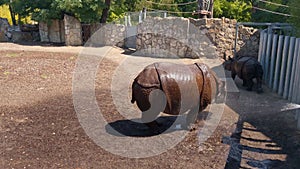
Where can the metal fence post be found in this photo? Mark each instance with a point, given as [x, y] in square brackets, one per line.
[296, 84]
[283, 65]
[273, 59]
[298, 118]
[267, 56]
[140, 17]
[289, 68]
[278, 63]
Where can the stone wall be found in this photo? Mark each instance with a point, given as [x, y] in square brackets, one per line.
[107, 34]
[73, 35]
[52, 31]
[4, 25]
[222, 33]
[191, 38]
[173, 37]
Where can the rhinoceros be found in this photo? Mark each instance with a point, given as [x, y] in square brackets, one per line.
[247, 69]
[186, 88]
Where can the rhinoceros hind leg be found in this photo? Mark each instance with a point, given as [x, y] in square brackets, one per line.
[259, 85]
[249, 85]
[260, 90]
[244, 83]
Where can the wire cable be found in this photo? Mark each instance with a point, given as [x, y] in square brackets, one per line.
[277, 13]
[276, 4]
[170, 11]
[272, 3]
[180, 4]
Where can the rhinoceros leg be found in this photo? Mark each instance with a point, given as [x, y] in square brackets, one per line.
[233, 74]
[191, 118]
[244, 83]
[249, 84]
[259, 85]
[158, 101]
[259, 75]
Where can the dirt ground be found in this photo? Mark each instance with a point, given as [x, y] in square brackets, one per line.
[39, 127]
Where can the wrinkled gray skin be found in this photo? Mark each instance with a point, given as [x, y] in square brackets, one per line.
[247, 69]
[158, 84]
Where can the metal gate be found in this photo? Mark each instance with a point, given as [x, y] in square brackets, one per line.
[280, 57]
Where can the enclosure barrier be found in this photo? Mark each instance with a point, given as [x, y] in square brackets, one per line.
[280, 58]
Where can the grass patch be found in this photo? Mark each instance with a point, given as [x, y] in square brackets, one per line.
[13, 55]
[6, 73]
[43, 76]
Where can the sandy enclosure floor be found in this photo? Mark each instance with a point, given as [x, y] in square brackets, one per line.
[39, 127]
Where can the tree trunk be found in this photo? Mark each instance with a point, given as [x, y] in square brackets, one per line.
[12, 14]
[105, 11]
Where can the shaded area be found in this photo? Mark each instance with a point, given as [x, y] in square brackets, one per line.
[132, 128]
[263, 132]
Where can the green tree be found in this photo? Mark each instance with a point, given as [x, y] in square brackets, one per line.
[270, 11]
[236, 9]
[86, 11]
[295, 15]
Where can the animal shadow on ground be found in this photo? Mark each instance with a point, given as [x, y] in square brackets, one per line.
[167, 124]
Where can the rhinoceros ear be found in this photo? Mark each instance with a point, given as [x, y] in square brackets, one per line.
[225, 56]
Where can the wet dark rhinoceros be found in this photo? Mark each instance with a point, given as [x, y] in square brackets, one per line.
[174, 89]
[247, 69]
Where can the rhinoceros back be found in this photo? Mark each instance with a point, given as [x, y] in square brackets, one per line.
[244, 66]
[179, 83]
[148, 77]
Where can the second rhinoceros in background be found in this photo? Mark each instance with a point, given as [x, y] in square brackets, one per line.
[247, 69]
[174, 89]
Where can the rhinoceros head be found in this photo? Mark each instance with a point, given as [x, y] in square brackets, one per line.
[228, 62]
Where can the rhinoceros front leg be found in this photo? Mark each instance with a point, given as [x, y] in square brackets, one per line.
[158, 102]
[149, 118]
[233, 74]
[191, 118]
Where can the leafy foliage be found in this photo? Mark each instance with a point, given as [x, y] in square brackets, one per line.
[86, 11]
[91, 10]
[295, 12]
[237, 9]
[263, 16]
